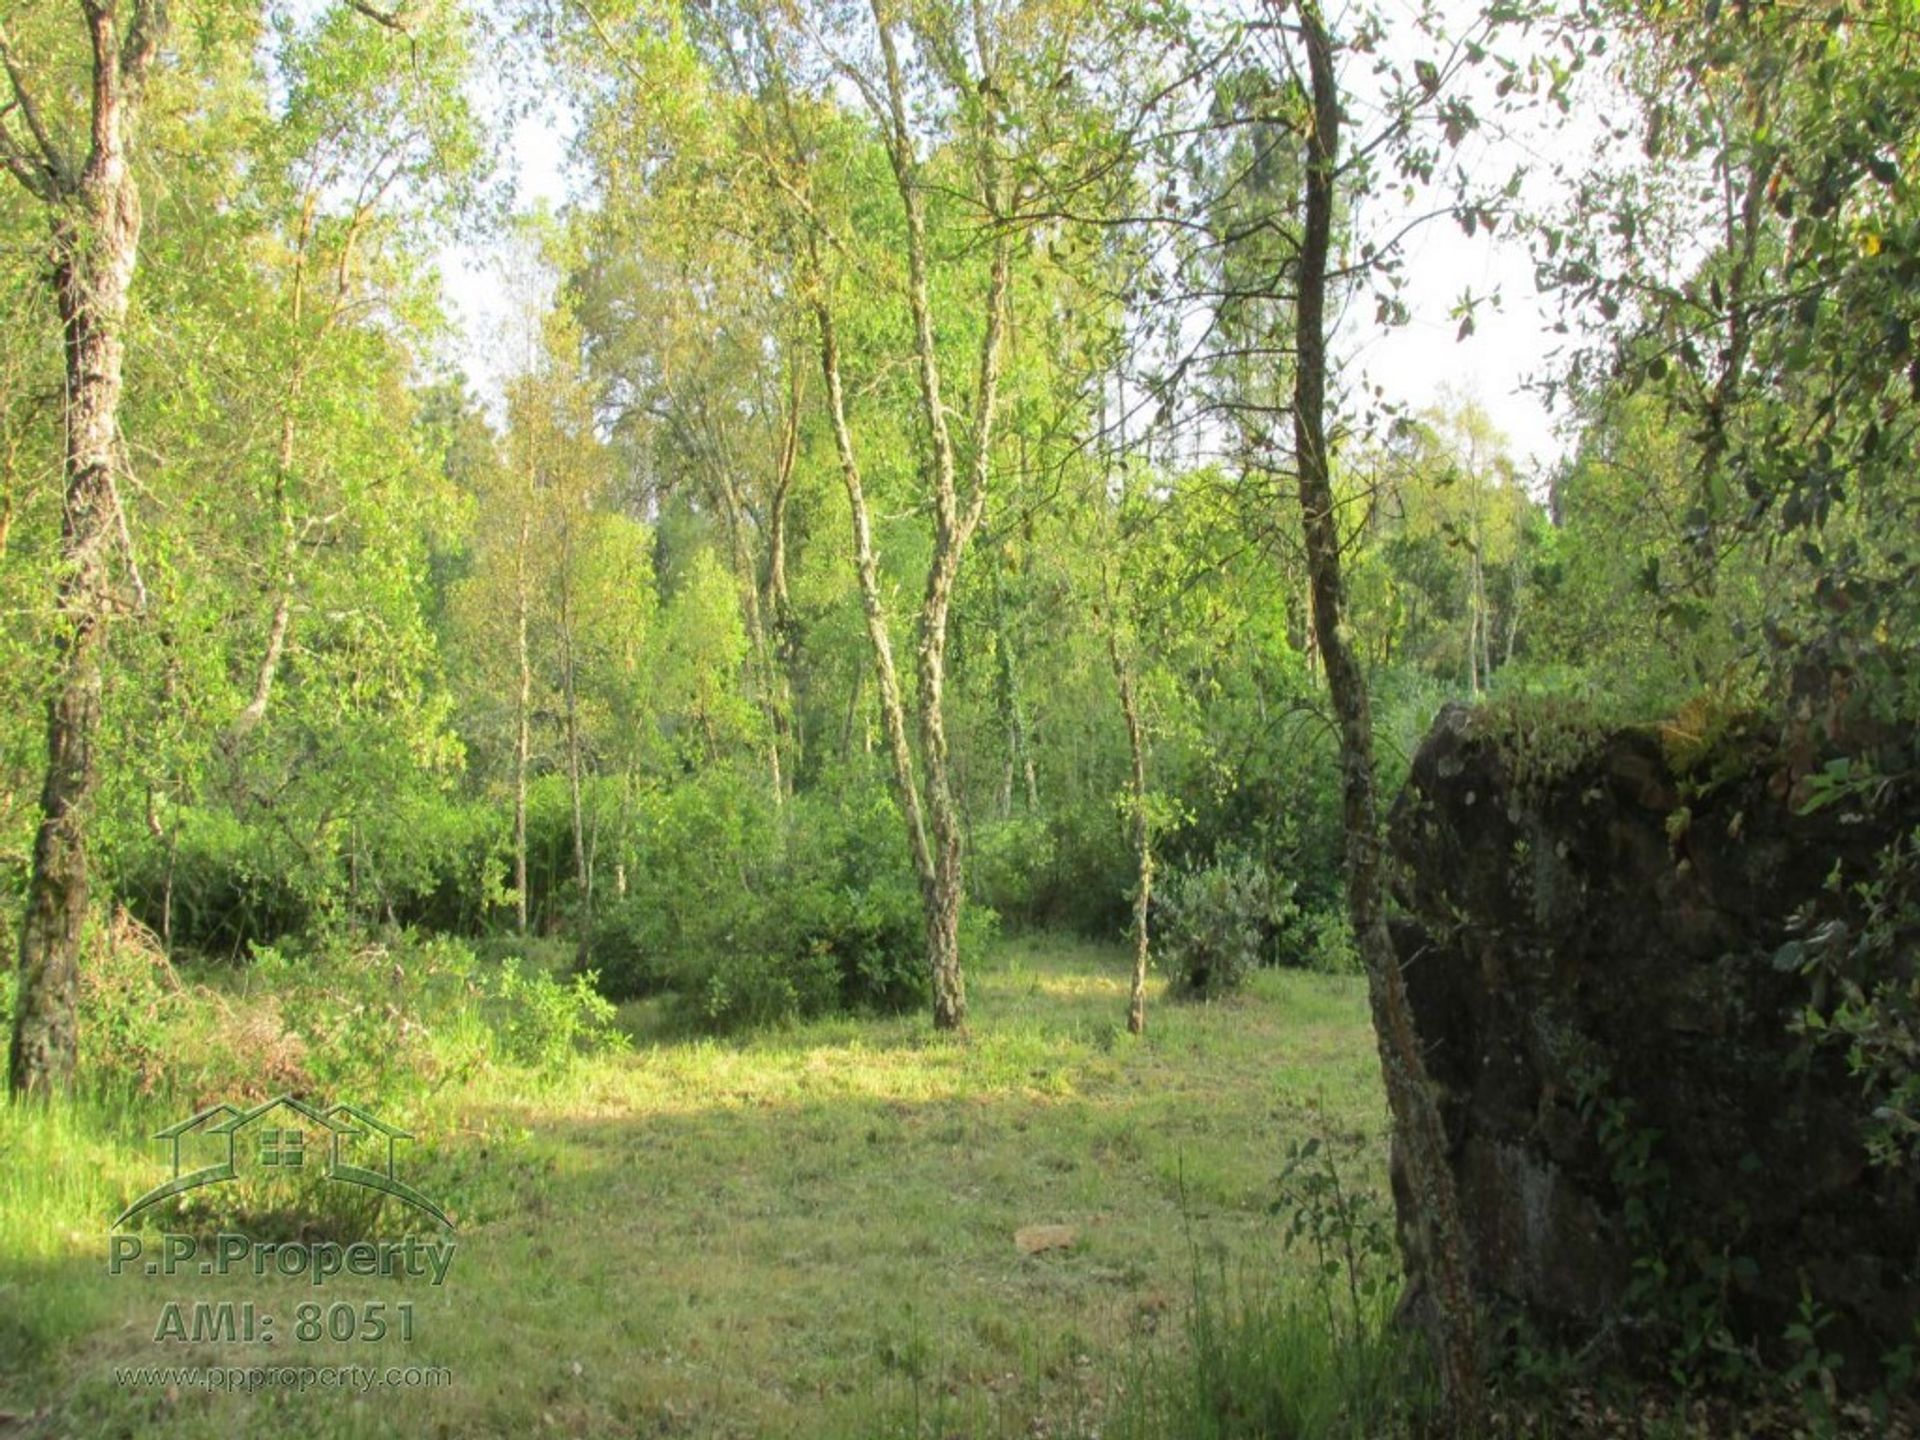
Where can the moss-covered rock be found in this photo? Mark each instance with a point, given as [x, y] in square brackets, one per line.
[1645, 1149]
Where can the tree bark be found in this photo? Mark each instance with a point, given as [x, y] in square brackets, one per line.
[256, 708]
[784, 634]
[866, 567]
[1012, 715]
[955, 519]
[1142, 830]
[1440, 1252]
[523, 714]
[95, 222]
[570, 720]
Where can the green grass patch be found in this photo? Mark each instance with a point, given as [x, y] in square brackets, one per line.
[802, 1232]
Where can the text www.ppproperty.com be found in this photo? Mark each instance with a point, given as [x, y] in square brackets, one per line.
[249, 1378]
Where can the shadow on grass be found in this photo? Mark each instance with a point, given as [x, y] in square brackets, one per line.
[807, 1232]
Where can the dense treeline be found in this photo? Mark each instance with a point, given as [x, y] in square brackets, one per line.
[827, 504]
[584, 664]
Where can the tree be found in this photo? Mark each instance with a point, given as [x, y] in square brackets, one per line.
[375, 143]
[1139, 817]
[91, 200]
[1410, 1093]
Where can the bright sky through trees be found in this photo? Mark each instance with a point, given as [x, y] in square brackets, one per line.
[1418, 364]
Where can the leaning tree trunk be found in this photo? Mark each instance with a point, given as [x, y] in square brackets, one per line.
[96, 232]
[1440, 1250]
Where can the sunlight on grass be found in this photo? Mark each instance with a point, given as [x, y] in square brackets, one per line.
[800, 1232]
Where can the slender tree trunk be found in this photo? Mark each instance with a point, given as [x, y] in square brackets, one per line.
[866, 565]
[1473, 624]
[1513, 612]
[268, 669]
[569, 711]
[759, 644]
[256, 708]
[523, 715]
[785, 636]
[1440, 1251]
[570, 724]
[955, 517]
[95, 219]
[1012, 715]
[1142, 829]
[1486, 623]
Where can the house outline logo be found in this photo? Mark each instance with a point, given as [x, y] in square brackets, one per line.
[285, 1147]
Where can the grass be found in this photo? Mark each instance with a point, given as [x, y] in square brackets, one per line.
[803, 1233]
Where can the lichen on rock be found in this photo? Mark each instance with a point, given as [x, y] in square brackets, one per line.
[1586, 934]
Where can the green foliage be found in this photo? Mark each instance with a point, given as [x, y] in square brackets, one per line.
[1684, 1275]
[1326, 1359]
[754, 912]
[1858, 955]
[1217, 923]
[1069, 871]
[221, 883]
[1543, 738]
[371, 1021]
[1348, 1230]
[543, 1023]
[1325, 940]
[1011, 865]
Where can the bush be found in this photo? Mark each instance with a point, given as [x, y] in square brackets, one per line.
[830, 949]
[368, 1021]
[868, 939]
[1324, 941]
[228, 885]
[544, 1024]
[129, 995]
[1010, 864]
[707, 856]
[1217, 923]
[753, 913]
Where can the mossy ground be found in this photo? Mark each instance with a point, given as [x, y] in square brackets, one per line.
[805, 1232]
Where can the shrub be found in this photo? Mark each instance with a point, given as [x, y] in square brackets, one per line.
[1324, 941]
[869, 940]
[732, 991]
[753, 913]
[699, 885]
[369, 1020]
[1217, 923]
[128, 993]
[1010, 864]
[1070, 871]
[544, 1024]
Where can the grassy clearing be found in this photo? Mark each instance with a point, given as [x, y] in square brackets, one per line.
[803, 1233]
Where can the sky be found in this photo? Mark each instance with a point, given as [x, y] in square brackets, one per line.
[1420, 364]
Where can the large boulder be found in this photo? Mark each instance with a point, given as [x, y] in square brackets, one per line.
[1638, 1136]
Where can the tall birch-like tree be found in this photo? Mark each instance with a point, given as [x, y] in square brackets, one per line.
[73, 155]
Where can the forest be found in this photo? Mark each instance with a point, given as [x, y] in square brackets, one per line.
[872, 770]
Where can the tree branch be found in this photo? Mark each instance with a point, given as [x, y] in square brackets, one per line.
[389, 19]
[144, 35]
[18, 161]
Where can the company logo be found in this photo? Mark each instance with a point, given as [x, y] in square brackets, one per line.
[345, 1144]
